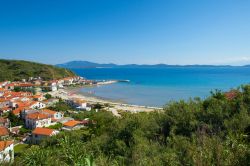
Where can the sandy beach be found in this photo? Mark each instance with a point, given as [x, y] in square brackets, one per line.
[114, 107]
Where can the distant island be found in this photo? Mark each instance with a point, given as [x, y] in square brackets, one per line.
[87, 64]
[16, 70]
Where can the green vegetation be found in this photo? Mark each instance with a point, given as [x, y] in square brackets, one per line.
[20, 89]
[15, 121]
[57, 126]
[214, 131]
[61, 106]
[47, 96]
[16, 70]
[20, 148]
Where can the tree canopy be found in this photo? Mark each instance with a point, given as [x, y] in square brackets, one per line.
[16, 70]
[214, 131]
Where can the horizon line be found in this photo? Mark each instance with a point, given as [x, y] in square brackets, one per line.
[195, 64]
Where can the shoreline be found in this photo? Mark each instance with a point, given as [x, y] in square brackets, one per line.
[74, 92]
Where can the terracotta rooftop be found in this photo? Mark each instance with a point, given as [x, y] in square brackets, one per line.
[43, 131]
[23, 104]
[18, 110]
[37, 96]
[25, 85]
[5, 144]
[4, 100]
[37, 116]
[5, 108]
[72, 123]
[4, 131]
[231, 95]
[49, 111]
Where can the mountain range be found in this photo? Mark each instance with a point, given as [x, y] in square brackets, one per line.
[87, 64]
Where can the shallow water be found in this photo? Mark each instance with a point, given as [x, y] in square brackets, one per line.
[157, 86]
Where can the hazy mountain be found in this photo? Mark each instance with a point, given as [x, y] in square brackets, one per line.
[84, 64]
[87, 64]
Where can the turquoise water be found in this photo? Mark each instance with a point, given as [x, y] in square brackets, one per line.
[157, 86]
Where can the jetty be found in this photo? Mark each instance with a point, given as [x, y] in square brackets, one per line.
[105, 82]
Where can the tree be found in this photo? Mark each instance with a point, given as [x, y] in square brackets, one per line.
[48, 96]
[15, 121]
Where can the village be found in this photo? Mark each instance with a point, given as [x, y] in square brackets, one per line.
[25, 114]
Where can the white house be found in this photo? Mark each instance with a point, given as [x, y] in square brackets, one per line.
[6, 151]
[37, 105]
[38, 97]
[72, 125]
[37, 119]
[38, 134]
[53, 114]
[25, 112]
[4, 103]
[79, 104]
[68, 81]
[53, 86]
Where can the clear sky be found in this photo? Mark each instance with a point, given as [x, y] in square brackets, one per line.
[126, 31]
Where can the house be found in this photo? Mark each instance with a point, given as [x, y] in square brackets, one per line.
[231, 94]
[4, 133]
[15, 130]
[5, 110]
[2, 91]
[3, 84]
[39, 134]
[25, 85]
[53, 114]
[6, 151]
[38, 97]
[72, 125]
[4, 103]
[79, 104]
[64, 120]
[4, 122]
[37, 105]
[10, 86]
[25, 112]
[37, 82]
[37, 119]
[18, 111]
[53, 86]
[51, 102]
[68, 81]
[20, 104]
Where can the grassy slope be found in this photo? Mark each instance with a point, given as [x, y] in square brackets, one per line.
[17, 70]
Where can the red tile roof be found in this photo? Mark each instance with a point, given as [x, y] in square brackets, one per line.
[37, 116]
[49, 111]
[26, 85]
[4, 131]
[231, 95]
[43, 131]
[5, 144]
[72, 123]
[18, 110]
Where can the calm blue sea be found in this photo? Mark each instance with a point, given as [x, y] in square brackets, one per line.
[157, 86]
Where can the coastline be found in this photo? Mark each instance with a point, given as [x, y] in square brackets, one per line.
[114, 106]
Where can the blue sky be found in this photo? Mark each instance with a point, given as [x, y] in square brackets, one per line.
[126, 31]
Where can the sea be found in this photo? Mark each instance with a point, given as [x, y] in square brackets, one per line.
[158, 86]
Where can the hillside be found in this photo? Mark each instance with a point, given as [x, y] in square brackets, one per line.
[17, 70]
[214, 131]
